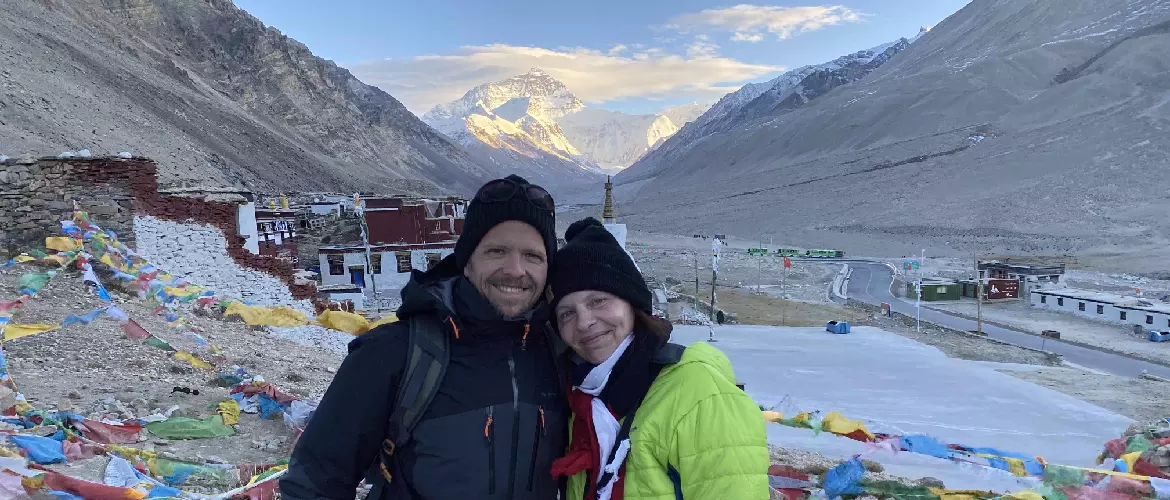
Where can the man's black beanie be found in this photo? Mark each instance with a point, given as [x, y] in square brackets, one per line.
[592, 259]
[481, 217]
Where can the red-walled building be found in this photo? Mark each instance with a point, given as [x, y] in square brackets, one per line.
[414, 221]
[405, 234]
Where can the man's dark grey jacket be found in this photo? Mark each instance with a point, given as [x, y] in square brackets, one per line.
[492, 431]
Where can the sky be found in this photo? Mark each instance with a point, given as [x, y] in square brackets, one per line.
[635, 56]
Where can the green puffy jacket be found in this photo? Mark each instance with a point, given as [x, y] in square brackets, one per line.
[696, 436]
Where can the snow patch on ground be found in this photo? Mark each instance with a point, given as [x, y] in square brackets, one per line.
[897, 385]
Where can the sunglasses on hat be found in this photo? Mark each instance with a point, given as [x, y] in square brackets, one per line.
[505, 189]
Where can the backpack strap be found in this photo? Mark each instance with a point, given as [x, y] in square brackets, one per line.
[426, 363]
[427, 356]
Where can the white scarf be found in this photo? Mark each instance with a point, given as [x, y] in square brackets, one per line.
[604, 424]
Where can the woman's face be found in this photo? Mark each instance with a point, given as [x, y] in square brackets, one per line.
[594, 323]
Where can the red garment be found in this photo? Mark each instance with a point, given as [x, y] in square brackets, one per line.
[584, 452]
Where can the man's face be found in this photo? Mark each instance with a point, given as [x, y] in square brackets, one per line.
[509, 267]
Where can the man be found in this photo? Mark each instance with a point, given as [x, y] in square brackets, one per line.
[497, 418]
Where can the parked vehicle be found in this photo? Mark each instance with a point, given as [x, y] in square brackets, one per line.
[825, 254]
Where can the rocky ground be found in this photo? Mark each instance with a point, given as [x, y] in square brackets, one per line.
[95, 370]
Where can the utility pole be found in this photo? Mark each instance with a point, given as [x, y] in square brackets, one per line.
[783, 301]
[696, 256]
[760, 268]
[715, 245]
[918, 303]
[978, 295]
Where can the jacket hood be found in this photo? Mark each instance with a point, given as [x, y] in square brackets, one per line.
[704, 353]
[431, 291]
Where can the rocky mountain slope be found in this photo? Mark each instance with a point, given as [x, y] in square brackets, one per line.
[537, 119]
[1010, 126]
[212, 94]
[784, 93]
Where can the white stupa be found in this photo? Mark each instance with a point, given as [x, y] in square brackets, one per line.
[607, 218]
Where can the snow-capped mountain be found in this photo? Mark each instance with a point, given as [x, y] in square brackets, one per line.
[686, 113]
[785, 92]
[536, 117]
[547, 92]
[513, 122]
[615, 140]
[797, 88]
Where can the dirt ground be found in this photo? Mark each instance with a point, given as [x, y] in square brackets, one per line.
[1020, 315]
[1137, 398]
[679, 260]
[761, 309]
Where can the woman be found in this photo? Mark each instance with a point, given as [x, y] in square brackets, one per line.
[650, 419]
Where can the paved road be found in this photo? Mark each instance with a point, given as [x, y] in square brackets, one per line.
[870, 283]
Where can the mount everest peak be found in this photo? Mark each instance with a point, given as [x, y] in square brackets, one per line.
[537, 117]
[539, 87]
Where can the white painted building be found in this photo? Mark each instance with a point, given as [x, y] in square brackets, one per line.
[1102, 306]
[346, 265]
[325, 207]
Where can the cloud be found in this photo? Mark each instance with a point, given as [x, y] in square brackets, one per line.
[747, 23]
[595, 76]
[702, 49]
[746, 37]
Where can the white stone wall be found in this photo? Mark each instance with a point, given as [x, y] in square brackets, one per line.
[619, 233]
[325, 209]
[1110, 313]
[246, 224]
[198, 252]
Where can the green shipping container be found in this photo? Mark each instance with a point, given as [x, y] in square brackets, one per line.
[932, 292]
[968, 288]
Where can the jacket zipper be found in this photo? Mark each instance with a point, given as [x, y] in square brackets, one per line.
[536, 446]
[515, 424]
[488, 434]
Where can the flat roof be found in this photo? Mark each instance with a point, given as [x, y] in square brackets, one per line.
[1113, 299]
[438, 245]
[1023, 268]
[339, 288]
